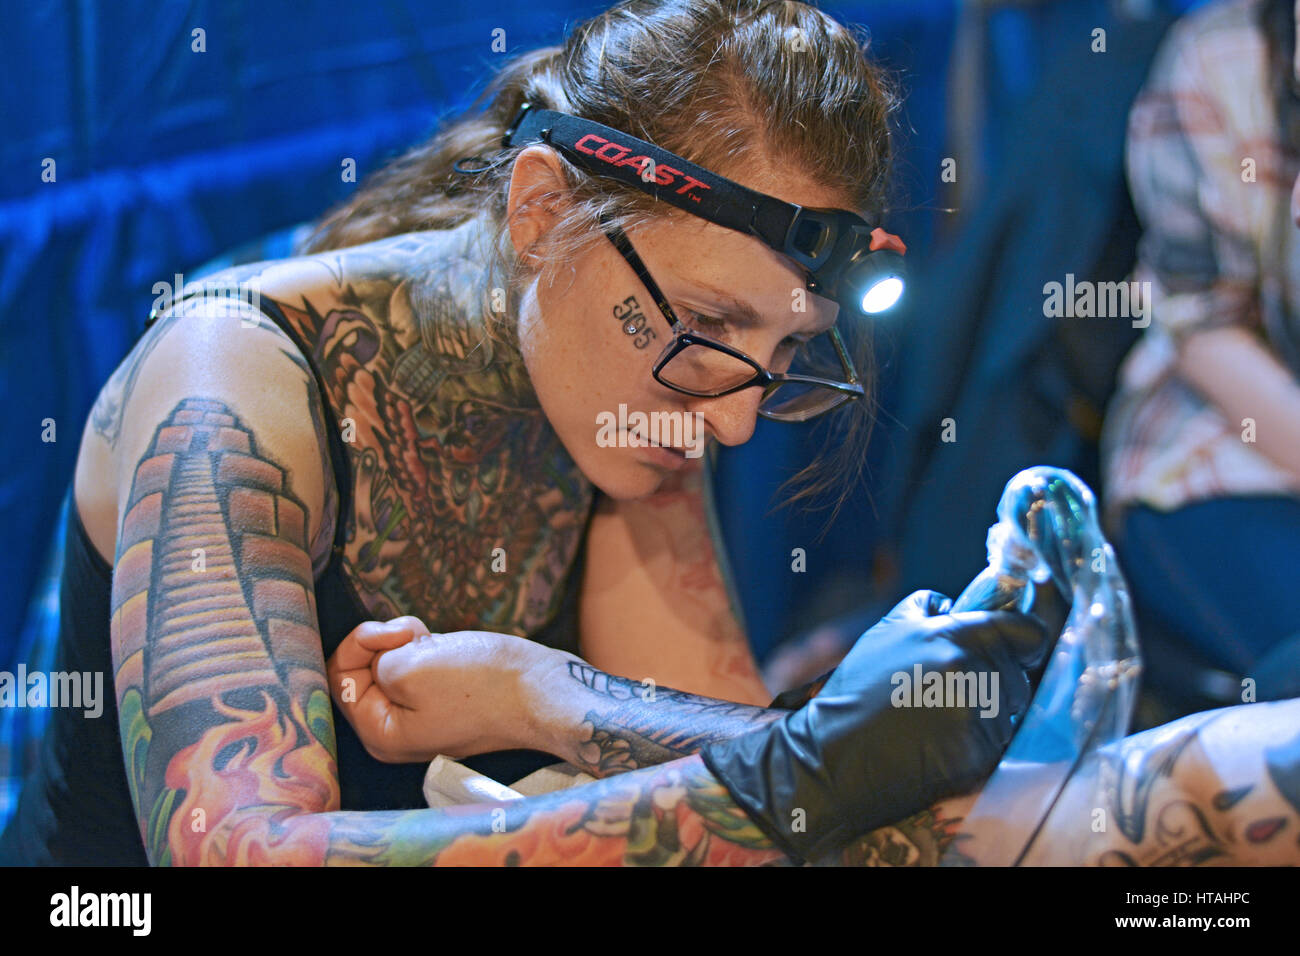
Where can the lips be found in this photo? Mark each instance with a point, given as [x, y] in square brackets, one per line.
[646, 443]
[664, 457]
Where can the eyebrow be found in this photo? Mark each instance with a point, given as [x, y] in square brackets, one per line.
[737, 308]
[734, 307]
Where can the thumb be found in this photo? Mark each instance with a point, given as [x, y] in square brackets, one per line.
[386, 635]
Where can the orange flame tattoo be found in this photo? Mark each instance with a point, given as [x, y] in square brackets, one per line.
[255, 789]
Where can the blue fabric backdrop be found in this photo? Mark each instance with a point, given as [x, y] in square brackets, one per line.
[165, 157]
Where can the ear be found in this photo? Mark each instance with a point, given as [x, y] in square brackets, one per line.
[537, 172]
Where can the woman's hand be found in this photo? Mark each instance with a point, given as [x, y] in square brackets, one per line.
[858, 756]
[411, 695]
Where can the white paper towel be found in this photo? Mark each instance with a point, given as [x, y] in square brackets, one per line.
[448, 783]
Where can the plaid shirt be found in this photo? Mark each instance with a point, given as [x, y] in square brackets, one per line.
[1217, 249]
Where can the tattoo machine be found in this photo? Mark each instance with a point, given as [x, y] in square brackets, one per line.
[1049, 532]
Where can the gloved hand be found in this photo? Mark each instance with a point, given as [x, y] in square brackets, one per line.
[851, 760]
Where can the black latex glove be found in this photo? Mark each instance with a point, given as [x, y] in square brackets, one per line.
[851, 761]
[1048, 606]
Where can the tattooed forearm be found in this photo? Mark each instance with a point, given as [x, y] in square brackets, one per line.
[632, 724]
[674, 815]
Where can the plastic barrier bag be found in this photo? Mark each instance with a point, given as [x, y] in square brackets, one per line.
[1049, 531]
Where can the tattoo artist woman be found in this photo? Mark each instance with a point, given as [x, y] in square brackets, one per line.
[404, 429]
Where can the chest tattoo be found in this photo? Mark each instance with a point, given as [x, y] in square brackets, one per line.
[467, 511]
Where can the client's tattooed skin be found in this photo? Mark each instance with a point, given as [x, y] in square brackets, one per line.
[1212, 789]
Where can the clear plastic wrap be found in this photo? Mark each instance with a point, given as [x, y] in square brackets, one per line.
[1049, 534]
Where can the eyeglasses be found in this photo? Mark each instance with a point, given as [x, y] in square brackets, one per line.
[694, 364]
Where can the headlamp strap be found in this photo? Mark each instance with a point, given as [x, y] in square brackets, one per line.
[609, 152]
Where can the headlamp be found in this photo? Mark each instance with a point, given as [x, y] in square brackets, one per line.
[833, 246]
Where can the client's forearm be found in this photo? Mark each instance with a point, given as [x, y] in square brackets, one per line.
[673, 815]
[608, 724]
[1217, 788]
[1249, 385]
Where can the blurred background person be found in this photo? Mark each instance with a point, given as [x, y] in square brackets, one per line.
[1202, 439]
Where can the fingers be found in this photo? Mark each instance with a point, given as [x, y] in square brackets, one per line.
[1024, 635]
[921, 604]
[937, 603]
[377, 721]
[363, 703]
[1012, 643]
[354, 658]
[389, 671]
[350, 655]
[358, 649]
[414, 623]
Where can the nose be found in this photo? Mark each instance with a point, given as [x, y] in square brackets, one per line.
[731, 418]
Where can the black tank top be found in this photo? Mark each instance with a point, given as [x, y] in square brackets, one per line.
[75, 806]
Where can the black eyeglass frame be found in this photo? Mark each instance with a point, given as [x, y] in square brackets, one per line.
[683, 338]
